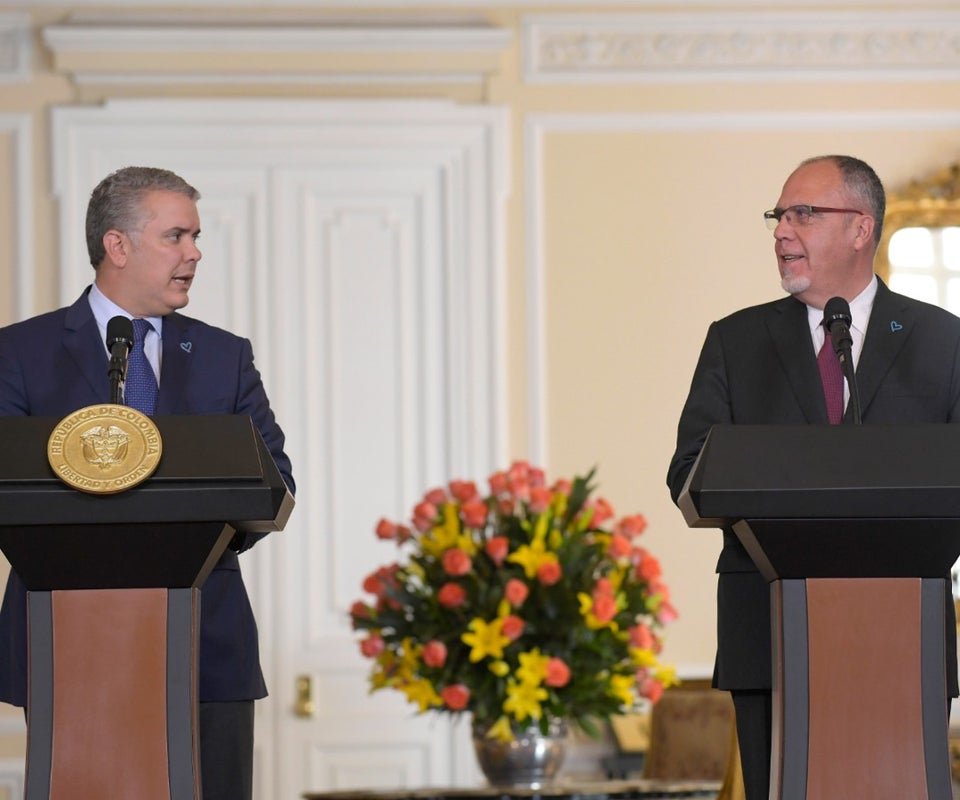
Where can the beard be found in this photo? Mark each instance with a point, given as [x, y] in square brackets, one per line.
[795, 284]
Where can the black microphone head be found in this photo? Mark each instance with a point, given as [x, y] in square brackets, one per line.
[119, 329]
[836, 310]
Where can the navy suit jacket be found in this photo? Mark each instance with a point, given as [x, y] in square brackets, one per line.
[757, 367]
[55, 363]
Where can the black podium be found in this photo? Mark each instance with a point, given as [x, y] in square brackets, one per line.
[855, 528]
[114, 600]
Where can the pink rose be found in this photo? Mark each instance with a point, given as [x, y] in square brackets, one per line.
[562, 486]
[516, 592]
[456, 562]
[641, 636]
[549, 573]
[474, 513]
[424, 516]
[519, 471]
[540, 498]
[603, 586]
[463, 490]
[649, 568]
[558, 673]
[456, 696]
[498, 483]
[373, 584]
[520, 489]
[604, 607]
[436, 497]
[497, 548]
[512, 627]
[387, 529]
[372, 646]
[632, 526]
[666, 613]
[602, 511]
[619, 546]
[434, 653]
[451, 595]
[359, 610]
[651, 689]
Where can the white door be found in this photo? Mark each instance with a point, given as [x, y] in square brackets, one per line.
[358, 245]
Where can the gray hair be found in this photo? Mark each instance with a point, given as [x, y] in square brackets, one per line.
[115, 204]
[862, 182]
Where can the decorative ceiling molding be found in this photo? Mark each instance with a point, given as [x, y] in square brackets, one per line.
[15, 50]
[769, 46]
[341, 5]
[277, 48]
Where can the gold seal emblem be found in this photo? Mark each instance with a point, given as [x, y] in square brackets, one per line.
[104, 449]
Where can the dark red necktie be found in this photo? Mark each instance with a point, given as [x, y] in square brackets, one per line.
[831, 375]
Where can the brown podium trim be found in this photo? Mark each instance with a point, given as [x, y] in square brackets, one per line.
[865, 702]
[109, 703]
[859, 688]
[112, 695]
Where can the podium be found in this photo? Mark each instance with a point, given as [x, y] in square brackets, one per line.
[113, 586]
[855, 528]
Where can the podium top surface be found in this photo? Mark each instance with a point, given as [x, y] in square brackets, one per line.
[824, 472]
[213, 468]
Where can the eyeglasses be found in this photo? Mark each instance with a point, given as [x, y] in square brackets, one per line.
[801, 215]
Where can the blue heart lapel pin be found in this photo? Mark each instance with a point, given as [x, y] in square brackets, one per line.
[895, 326]
[186, 346]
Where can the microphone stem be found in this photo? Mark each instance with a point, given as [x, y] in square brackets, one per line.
[846, 362]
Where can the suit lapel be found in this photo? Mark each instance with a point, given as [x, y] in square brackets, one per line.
[891, 324]
[81, 338]
[177, 349]
[791, 336]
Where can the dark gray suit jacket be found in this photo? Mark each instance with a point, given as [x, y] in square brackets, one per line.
[758, 366]
[55, 363]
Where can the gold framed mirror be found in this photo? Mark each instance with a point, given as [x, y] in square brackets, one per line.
[926, 219]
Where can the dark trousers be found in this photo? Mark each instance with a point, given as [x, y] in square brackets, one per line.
[754, 712]
[226, 750]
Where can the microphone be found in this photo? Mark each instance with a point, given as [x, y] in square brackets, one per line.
[836, 321]
[119, 342]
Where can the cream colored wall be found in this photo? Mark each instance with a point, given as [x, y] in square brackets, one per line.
[648, 235]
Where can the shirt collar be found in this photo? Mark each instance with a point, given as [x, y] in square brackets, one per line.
[860, 309]
[104, 309]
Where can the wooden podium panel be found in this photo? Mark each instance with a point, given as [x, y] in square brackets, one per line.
[112, 711]
[859, 697]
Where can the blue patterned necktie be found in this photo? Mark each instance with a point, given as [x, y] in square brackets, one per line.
[140, 389]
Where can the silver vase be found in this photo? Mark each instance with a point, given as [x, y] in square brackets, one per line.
[531, 760]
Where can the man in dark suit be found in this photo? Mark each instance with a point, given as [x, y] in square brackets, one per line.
[142, 226]
[759, 366]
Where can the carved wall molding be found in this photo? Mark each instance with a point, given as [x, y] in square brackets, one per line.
[19, 128]
[15, 49]
[297, 48]
[751, 45]
[472, 4]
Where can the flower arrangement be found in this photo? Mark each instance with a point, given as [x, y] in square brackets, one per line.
[526, 605]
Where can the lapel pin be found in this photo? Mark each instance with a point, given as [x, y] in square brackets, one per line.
[186, 346]
[895, 326]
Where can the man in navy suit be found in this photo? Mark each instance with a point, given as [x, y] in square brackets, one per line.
[759, 366]
[142, 228]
